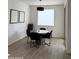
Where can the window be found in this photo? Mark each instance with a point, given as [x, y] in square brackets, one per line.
[46, 17]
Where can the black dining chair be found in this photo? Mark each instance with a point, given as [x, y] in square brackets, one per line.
[28, 35]
[29, 29]
[35, 39]
[47, 36]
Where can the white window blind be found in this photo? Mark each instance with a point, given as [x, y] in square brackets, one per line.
[46, 17]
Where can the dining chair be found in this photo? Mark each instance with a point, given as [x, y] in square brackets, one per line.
[29, 29]
[47, 36]
[28, 35]
[35, 39]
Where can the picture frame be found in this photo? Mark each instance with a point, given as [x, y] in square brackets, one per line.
[17, 16]
[21, 16]
[13, 16]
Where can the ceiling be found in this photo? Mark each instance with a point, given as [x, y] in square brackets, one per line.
[43, 2]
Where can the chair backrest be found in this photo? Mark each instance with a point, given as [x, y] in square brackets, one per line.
[51, 33]
[42, 28]
[30, 27]
[47, 35]
[34, 36]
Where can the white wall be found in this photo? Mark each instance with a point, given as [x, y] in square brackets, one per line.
[58, 29]
[17, 31]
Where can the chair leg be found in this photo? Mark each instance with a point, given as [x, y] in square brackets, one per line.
[31, 44]
[42, 41]
[28, 39]
[50, 41]
[47, 43]
[35, 43]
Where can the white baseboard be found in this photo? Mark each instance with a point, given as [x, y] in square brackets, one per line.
[67, 52]
[10, 43]
[58, 37]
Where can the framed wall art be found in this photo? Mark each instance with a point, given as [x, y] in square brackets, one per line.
[16, 16]
[22, 16]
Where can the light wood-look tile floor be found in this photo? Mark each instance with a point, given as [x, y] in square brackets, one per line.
[21, 49]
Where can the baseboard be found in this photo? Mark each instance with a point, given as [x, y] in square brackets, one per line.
[16, 40]
[67, 52]
[26, 36]
[58, 37]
